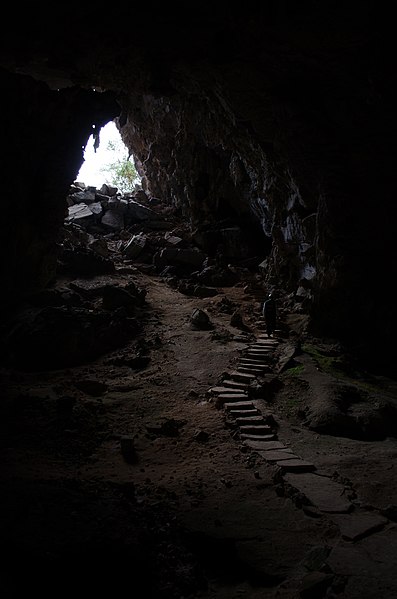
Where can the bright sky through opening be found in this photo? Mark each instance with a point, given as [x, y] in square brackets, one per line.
[90, 172]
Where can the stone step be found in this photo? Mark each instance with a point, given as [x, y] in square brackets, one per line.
[248, 363]
[261, 346]
[271, 446]
[251, 364]
[254, 437]
[296, 465]
[229, 390]
[264, 367]
[240, 338]
[265, 336]
[240, 405]
[234, 397]
[256, 429]
[241, 376]
[235, 385]
[255, 346]
[266, 340]
[358, 525]
[224, 398]
[243, 414]
[326, 494]
[253, 370]
[278, 455]
[255, 364]
[252, 421]
[244, 367]
[255, 358]
[260, 444]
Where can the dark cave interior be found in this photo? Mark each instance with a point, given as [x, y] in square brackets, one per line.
[281, 119]
[276, 119]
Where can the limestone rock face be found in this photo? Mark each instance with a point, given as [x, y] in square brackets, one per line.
[278, 121]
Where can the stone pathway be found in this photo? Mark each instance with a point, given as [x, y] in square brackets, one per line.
[318, 494]
[256, 429]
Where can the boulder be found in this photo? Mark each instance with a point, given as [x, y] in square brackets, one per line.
[80, 214]
[113, 220]
[177, 256]
[135, 246]
[137, 212]
[200, 320]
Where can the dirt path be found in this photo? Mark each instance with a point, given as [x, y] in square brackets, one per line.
[193, 511]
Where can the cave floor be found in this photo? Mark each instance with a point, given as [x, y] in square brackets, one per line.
[191, 511]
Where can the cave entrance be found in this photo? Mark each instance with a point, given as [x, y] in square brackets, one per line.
[108, 161]
[107, 194]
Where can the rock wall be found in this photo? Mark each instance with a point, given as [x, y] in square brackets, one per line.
[44, 136]
[195, 153]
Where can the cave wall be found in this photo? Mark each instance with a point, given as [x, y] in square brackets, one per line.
[279, 117]
[45, 132]
[196, 152]
[308, 153]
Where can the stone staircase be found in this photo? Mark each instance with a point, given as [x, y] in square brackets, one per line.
[256, 428]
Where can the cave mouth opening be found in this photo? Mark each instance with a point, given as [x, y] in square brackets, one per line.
[107, 160]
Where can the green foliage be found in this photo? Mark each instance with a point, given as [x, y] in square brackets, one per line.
[330, 364]
[292, 403]
[339, 368]
[295, 370]
[121, 173]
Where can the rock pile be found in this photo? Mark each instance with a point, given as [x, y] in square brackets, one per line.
[95, 304]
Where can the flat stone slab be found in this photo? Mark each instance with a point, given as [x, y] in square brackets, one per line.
[244, 367]
[253, 370]
[246, 361]
[259, 445]
[260, 371]
[262, 353]
[241, 376]
[321, 491]
[259, 360]
[227, 390]
[247, 350]
[256, 429]
[250, 419]
[358, 525]
[255, 366]
[235, 398]
[239, 414]
[261, 347]
[240, 405]
[271, 445]
[296, 465]
[235, 385]
[254, 437]
[224, 398]
[278, 455]
[369, 567]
